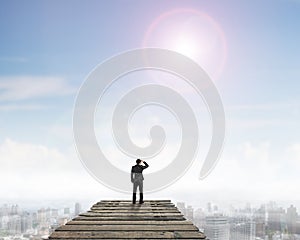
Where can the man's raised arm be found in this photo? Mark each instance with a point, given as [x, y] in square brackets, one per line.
[146, 165]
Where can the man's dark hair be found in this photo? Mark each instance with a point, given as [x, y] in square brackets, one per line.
[138, 161]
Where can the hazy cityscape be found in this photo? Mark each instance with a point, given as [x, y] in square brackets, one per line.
[267, 222]
[17, 223]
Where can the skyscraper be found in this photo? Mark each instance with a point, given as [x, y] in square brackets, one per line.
[275, 219]
[181, 207]
[242, 228]
[66, 211]
[260, 222]
[209, 207]
[291, 219]
[77, 209]
[199, 218]
[189, 213]
[216, 227]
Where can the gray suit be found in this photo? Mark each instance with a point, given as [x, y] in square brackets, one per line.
[137, 177]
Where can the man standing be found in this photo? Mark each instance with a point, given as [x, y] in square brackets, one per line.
[137, 179]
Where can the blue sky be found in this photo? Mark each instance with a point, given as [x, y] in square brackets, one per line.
[47, 48]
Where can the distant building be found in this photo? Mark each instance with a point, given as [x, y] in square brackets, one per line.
[276, 219]
[216, 209]
[260, 228]
[48, 213]
[291, 219]
[209, 207]
[242, 228]
[54, 213]
[26, 222]
[181, 207]
[260, 222]
[189, 213]
[66, 211]
[41, 217]
[14, 210]
[14, 225]
[248, 207]
[199, 218]
[77, 209]
[216, 227]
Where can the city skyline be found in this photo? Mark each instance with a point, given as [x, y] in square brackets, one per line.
[267, 221]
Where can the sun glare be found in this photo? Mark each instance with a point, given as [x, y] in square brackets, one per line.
[191, 33]
[187, 46]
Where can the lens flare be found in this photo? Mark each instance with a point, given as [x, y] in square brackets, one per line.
[192, 33]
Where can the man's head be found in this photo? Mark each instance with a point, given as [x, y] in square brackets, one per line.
[138, 161]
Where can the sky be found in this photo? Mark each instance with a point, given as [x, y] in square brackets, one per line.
[250, 49]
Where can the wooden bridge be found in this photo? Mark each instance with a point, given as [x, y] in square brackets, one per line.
[118, 219]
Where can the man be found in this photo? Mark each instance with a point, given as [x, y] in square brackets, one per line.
[137, 179]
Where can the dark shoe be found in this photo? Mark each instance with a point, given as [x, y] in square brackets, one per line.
[141, 198]
[133, 198]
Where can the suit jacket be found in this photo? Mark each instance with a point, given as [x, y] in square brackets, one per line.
[136, 172]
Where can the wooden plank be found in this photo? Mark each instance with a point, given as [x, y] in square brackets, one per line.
[138, 222]
[127, 228]
[135, 211]
[127, 218]
[126, 235]
[134, 206]
[153, 201]
[130, 201]
[142, 214]
[124, 211]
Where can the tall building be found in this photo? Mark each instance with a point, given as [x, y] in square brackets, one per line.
[26, 222]
[275, 219]
[248, 207]
[242, 228]
[216, 227]
[54, 213]
[260, 222]
[41, 217]
[199, 218]
[48, 213]
[77, 209]
[14, 209]
[189, 213]
[216, 209]
[291, 219]
[209, 207]
[181, 207]
[14, 225]
[66, 211]
[260, 227]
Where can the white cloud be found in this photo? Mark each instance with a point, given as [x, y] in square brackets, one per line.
[249, 172]
[27, 87]
[28, 160]
[30, 171]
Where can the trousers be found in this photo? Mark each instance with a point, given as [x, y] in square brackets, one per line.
[138, 184]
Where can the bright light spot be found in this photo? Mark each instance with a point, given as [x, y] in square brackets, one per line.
[190, 33]
[187, 46]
